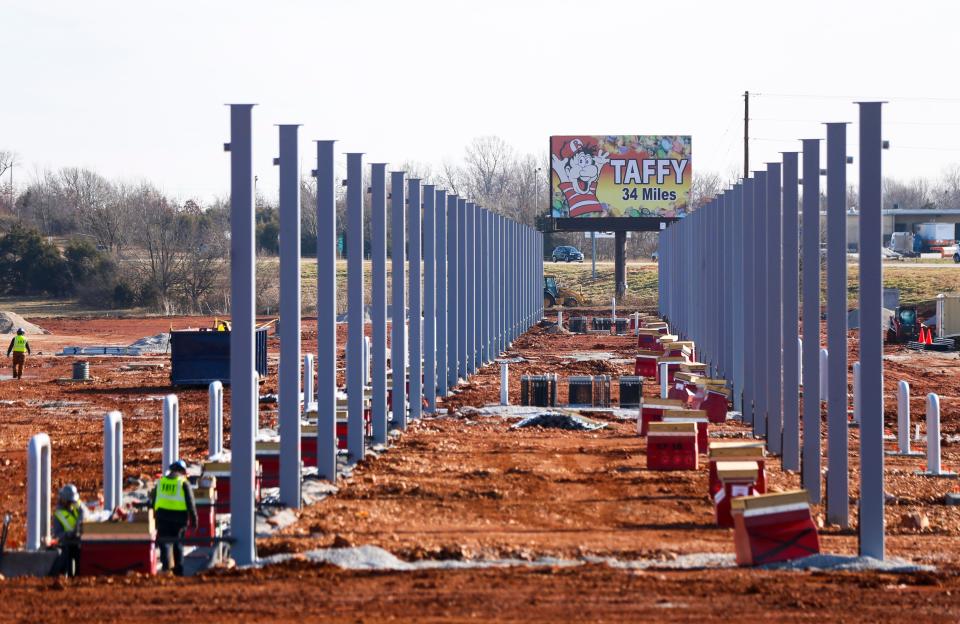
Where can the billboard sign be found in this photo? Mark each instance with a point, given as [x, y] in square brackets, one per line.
[619, 176]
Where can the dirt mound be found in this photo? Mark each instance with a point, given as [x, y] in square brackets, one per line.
[11, 321]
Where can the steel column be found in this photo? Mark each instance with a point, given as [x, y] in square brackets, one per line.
[355, 313]
[378, 300]
[414, 206]
[762, 304]
[398, 311]
[791, 372]
[326, 313]
[453, 290]
[244, 393]
[810, 464]
[429, 297]
[774, 297]
[749, 268]
[463, 313]
[472, 264]
[871, 518]
[837, 428]
[441, 299]
[289, 375]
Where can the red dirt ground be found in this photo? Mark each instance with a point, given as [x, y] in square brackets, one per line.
[470, 487]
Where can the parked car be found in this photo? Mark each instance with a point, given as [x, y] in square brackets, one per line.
[566, 253]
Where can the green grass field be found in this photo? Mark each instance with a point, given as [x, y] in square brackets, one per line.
[916, 284]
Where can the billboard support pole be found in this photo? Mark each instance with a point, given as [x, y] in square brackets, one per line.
[620, 243]
[593, 238]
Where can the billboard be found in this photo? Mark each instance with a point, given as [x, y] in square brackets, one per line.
[619, 176]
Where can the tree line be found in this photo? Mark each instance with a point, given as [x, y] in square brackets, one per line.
[118, 244]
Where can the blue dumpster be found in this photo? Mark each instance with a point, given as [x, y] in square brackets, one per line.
[201, 356]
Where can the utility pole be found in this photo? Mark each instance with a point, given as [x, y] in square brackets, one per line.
[746, 134]
[593, 237]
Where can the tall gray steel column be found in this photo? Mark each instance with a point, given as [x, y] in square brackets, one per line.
[441, 299]
[355, 314]
[749, 267]
[398, 311]
[453, 290]
[736, 305]
[378, 300]
[485, 286]
[416, 316]
[791, 372]
[838, 510]
[472, 266]
[871, 519]
[774, 296]
[463, 314]
[289, 375]
[500, 251]
[326, 313]
[762, 304]
[243, 371]
[429, 297]
[810, 459]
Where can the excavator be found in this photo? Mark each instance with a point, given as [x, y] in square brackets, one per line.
[903, 326]
[554, 293]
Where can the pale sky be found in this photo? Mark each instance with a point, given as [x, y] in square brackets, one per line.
[136, 90]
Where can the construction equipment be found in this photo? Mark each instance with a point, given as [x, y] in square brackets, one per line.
[554, 292]
[903, 243]
[903, 325]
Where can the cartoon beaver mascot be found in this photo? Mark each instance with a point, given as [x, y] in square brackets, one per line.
[578, 168]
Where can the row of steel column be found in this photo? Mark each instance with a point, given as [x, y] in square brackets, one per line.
[730, 279]
[465, 282]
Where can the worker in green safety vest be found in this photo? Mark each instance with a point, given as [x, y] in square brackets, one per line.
[20, 348]
[67, 521]
[176, 510]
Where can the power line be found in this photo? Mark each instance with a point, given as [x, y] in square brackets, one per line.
[855, 146]
[905, 98]
[885, 122]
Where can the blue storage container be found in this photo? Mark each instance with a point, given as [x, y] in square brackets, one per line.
[199, 357]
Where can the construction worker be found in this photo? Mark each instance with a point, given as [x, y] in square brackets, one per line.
[20, 348]
[67, 519]
[176, 510]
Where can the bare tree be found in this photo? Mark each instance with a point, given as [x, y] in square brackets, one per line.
[7, 161]
[205, 248]
[158, 233]
[525, 198]
[948, 187]
[705, 186]
[913, 194]
[452, 178]
[485, 167]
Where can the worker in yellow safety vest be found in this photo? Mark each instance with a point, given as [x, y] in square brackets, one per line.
[176, 510]
[20, 348]
[67, 520]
